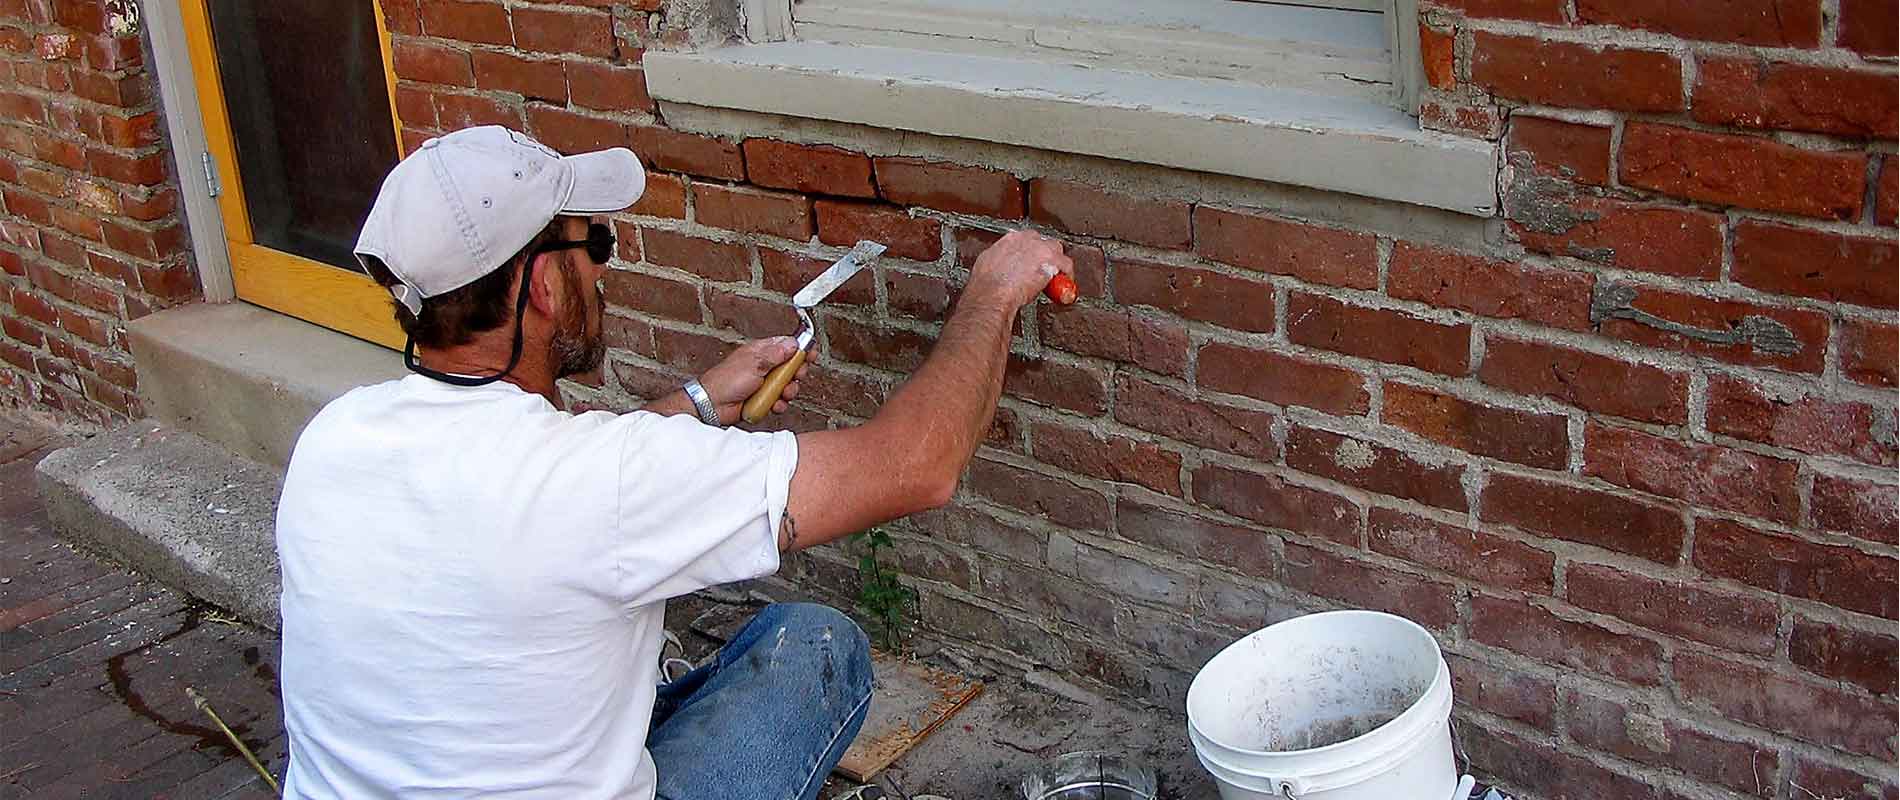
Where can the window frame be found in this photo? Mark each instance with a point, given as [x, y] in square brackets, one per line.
[339, 299]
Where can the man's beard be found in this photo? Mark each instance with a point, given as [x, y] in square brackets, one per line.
[574, 350]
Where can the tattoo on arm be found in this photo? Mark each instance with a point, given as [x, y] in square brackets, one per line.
[790, 527]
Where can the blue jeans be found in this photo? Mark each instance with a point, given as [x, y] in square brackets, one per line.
[771, 715]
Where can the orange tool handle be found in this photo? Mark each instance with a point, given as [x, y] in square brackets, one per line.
[1061, 289]
[761, 401]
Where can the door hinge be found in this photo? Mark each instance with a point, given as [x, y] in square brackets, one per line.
[211, 173]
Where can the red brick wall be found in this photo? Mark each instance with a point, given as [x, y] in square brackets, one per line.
[90, 234]
[1660, 565]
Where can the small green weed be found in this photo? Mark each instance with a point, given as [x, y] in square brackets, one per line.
[888, 602]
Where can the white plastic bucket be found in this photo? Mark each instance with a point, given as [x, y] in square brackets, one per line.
[1342, 705]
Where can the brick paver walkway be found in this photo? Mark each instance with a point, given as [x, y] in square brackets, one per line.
[94, 661]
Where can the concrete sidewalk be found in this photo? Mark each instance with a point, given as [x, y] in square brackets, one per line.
[94, 661]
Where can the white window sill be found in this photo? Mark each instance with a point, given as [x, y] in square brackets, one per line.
[1224, 127]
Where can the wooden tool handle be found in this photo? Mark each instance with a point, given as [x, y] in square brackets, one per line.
[761, 402]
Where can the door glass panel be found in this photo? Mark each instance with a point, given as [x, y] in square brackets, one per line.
[309, 107]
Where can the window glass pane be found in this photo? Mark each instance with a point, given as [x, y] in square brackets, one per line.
[309, 107]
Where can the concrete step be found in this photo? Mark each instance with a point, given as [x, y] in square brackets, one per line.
[176, 507]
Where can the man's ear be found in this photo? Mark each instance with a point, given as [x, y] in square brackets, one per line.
[542, 273]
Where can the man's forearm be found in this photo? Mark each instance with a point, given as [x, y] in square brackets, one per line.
[675, 403]
[951, 399]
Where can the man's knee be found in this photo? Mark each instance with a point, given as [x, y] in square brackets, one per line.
[840, 639]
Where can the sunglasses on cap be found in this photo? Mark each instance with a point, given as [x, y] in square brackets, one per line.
[599, 243]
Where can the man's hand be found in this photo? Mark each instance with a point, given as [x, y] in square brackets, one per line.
[1015, 269]
[735, 379]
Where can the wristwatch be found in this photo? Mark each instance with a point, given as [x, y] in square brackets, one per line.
[702, 402]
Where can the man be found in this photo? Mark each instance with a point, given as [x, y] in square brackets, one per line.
[475, 579]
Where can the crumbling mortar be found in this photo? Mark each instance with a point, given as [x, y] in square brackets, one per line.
[1574, 425]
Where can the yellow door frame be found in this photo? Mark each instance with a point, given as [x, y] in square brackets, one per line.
[338, 299]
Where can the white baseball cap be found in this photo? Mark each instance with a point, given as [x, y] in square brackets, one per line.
[463, 203]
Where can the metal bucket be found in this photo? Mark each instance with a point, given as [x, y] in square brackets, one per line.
[1090, 775]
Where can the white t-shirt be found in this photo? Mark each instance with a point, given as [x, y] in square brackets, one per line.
[474, 585]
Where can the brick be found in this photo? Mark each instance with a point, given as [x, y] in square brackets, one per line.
[1378, 334]
[1158, 345]
[1284, 247]
[896, 350]
[1785, 259]
[73, 155]
[1801, 422]
[1281, 379]
[1110, 458]
[1887, 196]
[742, 208]
[651, 294]
[1505, 692]
[1840, 653]
[1375, 467]
[1363, 585]
[846, 223]
[147, 244]
[1834, 574]
[692, 353]
[635, 336]
[1163, 410]
[920, 297]
[454, 112]
[838, 390]
[1491, 560]
[817, 169]
[608, 87]
[950, 187]
[1589, 381]
[434, 63]
[1708, 476]
[415, 110]
[670, 150]
[1743, 171]
[1524, 437]
[1567, 150]
[1492, 288]
[1540, 633]
[1083, 390]
[751, 317]
[1570, 75]
[1438, 51]
[22, 107]
[23, 333]
[1044, 594]
[1808, 329]
[542, 79]
[34, 308]
[1247, 551]
[1776, 23]
[1856, 507]
[1773, 95]
[27, 207]
[1739, 622]
[120, 92]
[1196, 294]
[627, 242]
[1659, 738]
[571, 133]
[665, 196]
[1580, 514]
[482, 22]
[786, 273]
[1092, 211]
[1869, 28]
[1647, 237]
[46, 182]
[145, 170]
[1828, 780]
[1784, 704]
[1271, 501]
[1055, 499]
[565, 31]
[708, 259]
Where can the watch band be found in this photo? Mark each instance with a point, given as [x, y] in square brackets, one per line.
[702, 402]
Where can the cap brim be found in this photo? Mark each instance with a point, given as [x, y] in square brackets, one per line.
[605, 181]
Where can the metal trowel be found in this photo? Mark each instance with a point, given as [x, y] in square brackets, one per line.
[814, 293]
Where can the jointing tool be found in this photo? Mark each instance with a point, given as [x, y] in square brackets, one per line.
[814, 293]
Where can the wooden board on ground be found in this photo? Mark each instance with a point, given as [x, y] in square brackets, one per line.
[911, 700]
